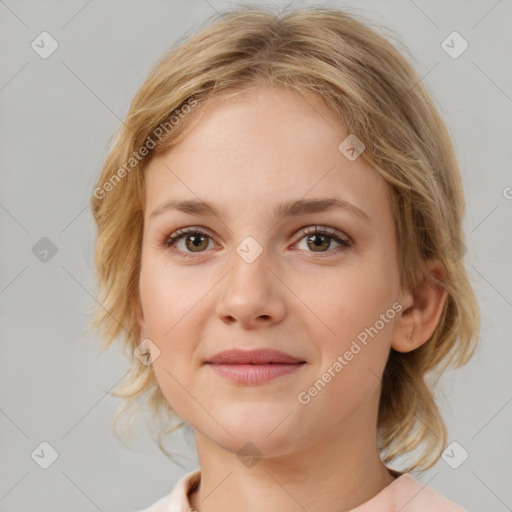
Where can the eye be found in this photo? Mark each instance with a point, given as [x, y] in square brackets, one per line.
[319, 237]
[196, 240]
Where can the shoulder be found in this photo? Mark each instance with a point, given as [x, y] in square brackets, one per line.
[177, 499]
[414, 496]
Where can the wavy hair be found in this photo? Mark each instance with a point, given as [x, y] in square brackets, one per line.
[365, 80]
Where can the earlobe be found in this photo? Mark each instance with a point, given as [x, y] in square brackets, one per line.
[417, 323]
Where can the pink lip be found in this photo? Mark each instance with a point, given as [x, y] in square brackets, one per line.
[254, 366]
[259, 356]
[254, 373]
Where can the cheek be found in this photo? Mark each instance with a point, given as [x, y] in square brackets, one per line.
[353, 359]
[165, 296]
[358, 309]
[166, 323]
[173, 311]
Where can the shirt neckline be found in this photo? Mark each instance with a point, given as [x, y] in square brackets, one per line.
[194, 478]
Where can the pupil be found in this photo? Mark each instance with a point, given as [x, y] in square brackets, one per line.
[318, 240]
[197, 241]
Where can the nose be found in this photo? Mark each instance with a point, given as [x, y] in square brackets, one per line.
[252, 293]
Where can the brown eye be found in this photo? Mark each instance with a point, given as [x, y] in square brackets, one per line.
[195, 241]
[318, 242]
[319, 239]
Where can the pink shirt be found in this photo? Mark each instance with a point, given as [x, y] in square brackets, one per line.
[404, 494]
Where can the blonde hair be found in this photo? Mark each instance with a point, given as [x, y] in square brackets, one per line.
[376, 93]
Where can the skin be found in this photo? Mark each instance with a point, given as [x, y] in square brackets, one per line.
[246, 155]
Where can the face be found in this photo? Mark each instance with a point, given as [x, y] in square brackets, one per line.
[312, 284]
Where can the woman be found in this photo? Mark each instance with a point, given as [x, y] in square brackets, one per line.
[279, 246]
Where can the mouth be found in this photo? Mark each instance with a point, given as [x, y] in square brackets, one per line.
[255, 366]
[253, 374]
[259, 356]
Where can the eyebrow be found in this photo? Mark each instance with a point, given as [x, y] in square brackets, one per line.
[282, 210]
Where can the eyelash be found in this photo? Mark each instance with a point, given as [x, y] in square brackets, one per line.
[172, 239]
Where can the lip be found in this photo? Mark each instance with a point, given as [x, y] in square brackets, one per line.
[252, 367]
[259, 356]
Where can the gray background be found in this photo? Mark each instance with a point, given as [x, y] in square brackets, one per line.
[57, 118]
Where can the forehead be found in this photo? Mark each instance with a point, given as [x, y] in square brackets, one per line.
[260, 148]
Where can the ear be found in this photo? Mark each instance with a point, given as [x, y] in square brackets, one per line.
[423, 307]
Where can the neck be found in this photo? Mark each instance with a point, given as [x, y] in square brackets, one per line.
[338, 472]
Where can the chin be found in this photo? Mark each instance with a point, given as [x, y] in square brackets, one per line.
[255, 444]
[267, 435]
